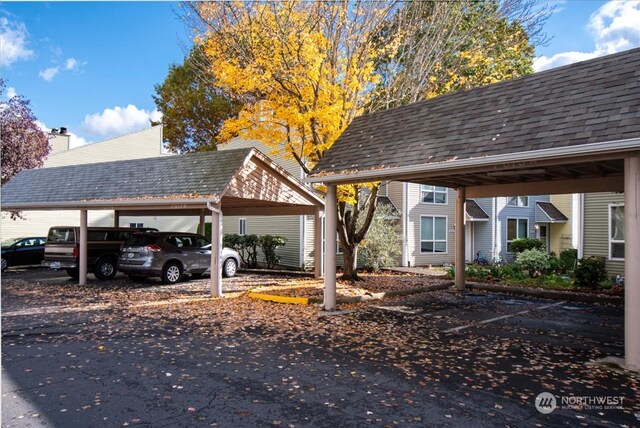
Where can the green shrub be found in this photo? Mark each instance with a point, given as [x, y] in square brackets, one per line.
[568, 259]
[268, 245]
[554, 265]
[245, 245]
[522, 244]
[383, 242]
[510, 271]
[590, 272]
[535, 261]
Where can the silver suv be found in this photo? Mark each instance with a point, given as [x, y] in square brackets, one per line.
[171, 256]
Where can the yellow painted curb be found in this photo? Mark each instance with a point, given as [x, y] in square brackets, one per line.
[279, 299]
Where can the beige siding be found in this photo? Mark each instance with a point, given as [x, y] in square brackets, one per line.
[394, 192]
[418, 209]
[287, 226]
[596, 228]
[309, 253]
[560, 237]
[58, 143]
[137, 145]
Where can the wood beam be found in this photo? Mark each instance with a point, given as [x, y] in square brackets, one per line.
[557, 187]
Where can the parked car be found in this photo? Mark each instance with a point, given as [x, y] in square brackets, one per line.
[22, 251]
[172, 255]
[62, 249]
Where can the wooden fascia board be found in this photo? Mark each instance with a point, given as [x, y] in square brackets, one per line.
[556, 187]
[120, 205]
[267, 211]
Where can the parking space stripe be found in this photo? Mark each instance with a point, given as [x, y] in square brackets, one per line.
[463, 327]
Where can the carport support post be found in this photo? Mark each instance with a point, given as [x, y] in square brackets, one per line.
[216, 250]
[632, 262]
[330, 227]
[201, 223]
[317, 243]
[460, 265]
[82, 268]
[116, 218]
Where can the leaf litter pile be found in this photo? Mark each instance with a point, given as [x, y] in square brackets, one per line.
[510, 364]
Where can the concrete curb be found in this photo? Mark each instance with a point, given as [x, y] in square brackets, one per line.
[547, 294]
[350, 299]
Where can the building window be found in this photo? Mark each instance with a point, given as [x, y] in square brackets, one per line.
[136, 224]
[518, 201]
[433, 234]
[242, 226]
[433, 194]
[516, 228]
[616, 232]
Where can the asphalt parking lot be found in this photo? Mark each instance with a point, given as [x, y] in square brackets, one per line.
[115, 356]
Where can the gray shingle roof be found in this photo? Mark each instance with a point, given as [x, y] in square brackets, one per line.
[587, 102]
[475, 211]
[190, 175]
[549, 213]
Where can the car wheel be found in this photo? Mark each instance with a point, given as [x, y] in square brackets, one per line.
[5, 264]
[171, 273]
[73, 273]
[229, 268]
[105, 269]
[137, 278]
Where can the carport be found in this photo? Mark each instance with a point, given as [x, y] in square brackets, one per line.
[234, 182]
[574, 129]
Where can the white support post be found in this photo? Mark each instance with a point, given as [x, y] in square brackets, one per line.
[460, 265]
[317, 243]
[82, 262]
[216, 250]
[632, 262]
[331, 220]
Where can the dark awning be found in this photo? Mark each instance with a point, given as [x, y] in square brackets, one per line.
[474, 212]
[546, 212]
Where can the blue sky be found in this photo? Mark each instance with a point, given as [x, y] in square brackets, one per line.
[92, 66]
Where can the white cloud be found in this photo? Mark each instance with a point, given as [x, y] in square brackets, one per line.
[49, 73]
[11, 92]
[614, 27]
[71, 64]
[76, 141]
[14, 42]
[118, 120]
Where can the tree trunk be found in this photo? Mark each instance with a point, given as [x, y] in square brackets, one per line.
[350, 257]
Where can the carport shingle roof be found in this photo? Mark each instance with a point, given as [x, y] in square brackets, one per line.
[588, 102]
[187, 176]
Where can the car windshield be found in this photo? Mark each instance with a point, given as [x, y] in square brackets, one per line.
[139, 240]
[61, 234]
[10, 242]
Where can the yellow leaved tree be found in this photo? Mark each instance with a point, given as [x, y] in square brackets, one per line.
[303, 70]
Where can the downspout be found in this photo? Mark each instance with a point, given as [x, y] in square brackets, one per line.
[405, 224]
[494, 229]
[216, 232]
[578, 224]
